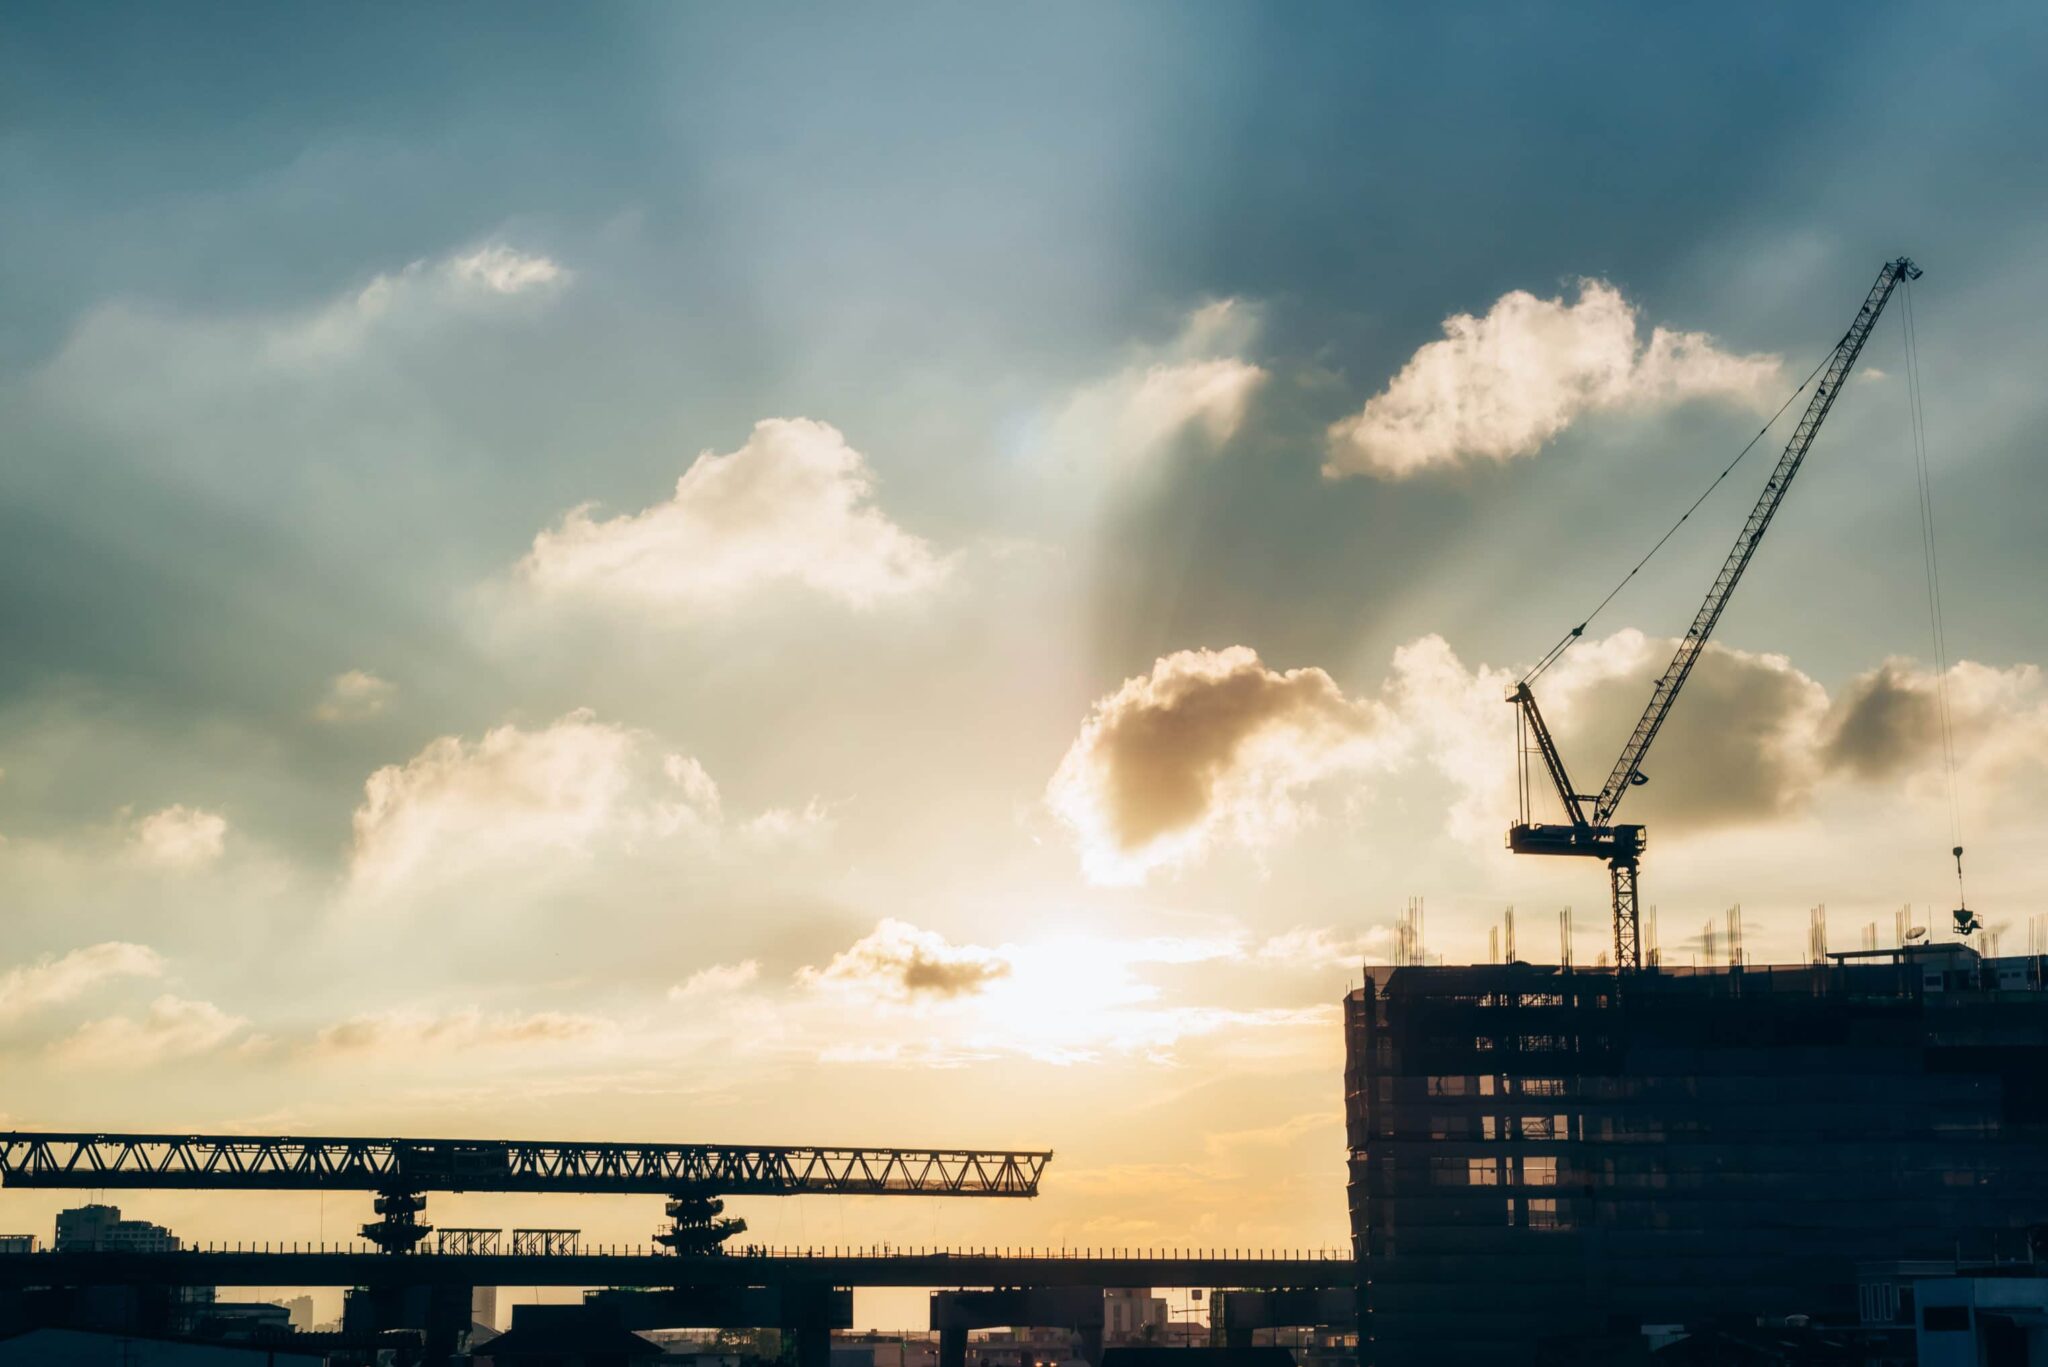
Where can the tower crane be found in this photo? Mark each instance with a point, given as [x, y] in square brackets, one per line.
[1589, 830]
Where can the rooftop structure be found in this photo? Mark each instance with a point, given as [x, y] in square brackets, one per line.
[1539, 1153]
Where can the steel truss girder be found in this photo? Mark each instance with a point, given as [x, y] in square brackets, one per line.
[280, 1163]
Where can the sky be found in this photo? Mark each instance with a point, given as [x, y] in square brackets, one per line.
[941, 575]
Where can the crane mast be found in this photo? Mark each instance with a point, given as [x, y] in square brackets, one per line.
[1589, 829]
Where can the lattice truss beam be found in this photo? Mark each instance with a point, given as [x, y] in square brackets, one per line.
[276, 1163]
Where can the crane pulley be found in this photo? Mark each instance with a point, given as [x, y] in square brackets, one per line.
[1589, 829]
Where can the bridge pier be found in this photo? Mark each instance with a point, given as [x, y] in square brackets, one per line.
[813, 1344]
[439, 1311]
[1074, 1308]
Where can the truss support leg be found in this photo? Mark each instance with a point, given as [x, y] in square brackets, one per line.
[698, 1226]
[399, 1229]
[1628, 938]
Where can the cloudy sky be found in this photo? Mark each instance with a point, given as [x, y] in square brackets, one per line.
[940, 576]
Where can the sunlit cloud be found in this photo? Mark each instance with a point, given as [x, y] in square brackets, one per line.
[404, 1034]
[1756, 740]
[1213, 749]
[792, 508]
[355, 695]
[167, 358]
[1198, 385]
[1499, 387]
[505, 270]
[54, 980]
[717, 980]
[172, 1028]
[899, 961]
[1212, 746]
[521, 806]
[181, 837]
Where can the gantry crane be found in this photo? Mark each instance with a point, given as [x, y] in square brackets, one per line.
[1589, 830]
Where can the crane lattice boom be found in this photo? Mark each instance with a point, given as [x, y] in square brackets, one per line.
[1846, 351]
[1592, 833]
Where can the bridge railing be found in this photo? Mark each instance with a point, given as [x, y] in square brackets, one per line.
[769, 1252]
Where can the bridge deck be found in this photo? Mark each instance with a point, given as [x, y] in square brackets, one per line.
[636, 1268]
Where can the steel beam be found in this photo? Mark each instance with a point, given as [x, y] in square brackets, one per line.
[286, 1163]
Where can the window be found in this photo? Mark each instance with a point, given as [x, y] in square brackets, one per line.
[1543, 1213]
[1447, 1086]
[1482, 1172]
[1542, 1086]
[1539, 1172]
[1945, 1318]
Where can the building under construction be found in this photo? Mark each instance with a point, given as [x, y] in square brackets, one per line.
[1544, 1154]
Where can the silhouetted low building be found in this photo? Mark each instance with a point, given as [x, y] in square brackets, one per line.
[1542, 1154]
[1131, 1355]
[565, 1336]
[88, 1348]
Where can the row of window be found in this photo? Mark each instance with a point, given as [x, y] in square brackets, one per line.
[1489, 1084]
[1531, 1170]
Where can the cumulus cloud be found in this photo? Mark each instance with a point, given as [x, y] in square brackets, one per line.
[717, 980]
[518, 797]
[522, 802]
[1214, 748]
[1499, 387]
[355, 695]
[1886, 723]
[1210, 745]
[51, 981]
[794, 506]
[173, 1028]
[1754, 738]
[181, 837]
[1197, 385]
[1321, 947]
[1740, 748]
[501, 269]
[407, 1033]
[898, 961]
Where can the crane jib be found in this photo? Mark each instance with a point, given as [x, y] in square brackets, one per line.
[1665, 694]
[1589, 830]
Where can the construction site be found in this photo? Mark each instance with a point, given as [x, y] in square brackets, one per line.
[1556, 1162]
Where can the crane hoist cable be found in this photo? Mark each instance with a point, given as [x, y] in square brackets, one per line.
[1590, 829]
[1565, 642]
[1931, 564]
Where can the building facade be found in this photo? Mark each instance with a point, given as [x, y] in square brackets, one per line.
[1538, 1154]
[101, 1229]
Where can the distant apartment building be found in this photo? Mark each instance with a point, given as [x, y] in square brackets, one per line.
[1131, 1315]
[100, 1229]
[1020, 1347]
[1539, 1154]
[300, 1311]
[17, 1243]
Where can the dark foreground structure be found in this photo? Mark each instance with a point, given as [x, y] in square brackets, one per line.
[1541, 1155]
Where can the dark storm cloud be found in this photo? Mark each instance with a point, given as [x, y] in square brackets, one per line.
[1884, 722]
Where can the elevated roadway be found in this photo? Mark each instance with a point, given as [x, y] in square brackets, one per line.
[645, 1268]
